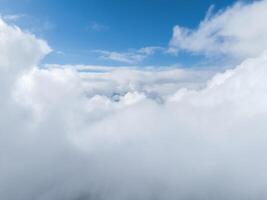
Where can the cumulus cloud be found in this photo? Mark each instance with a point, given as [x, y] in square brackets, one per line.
[237, 31]
[19, 49]
[64, 136]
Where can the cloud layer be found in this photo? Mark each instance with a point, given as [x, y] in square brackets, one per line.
[80, 132]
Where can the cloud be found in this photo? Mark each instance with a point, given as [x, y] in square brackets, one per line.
[61, 139]
[13, 17]
[94, 26]
[19, 50]
[159, 83]
[234, 32]
[30, 23]
[130, 57]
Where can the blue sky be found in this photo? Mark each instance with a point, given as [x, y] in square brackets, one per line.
[80, 31]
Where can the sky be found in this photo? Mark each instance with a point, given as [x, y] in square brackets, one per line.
[100, 103]
[79, 30]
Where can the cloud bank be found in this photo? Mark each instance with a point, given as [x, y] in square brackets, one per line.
[81, 133]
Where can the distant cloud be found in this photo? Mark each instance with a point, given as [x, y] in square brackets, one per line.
[237, 32]
[30, 23]
[95, 26]
[131, 56]
[152, 83]
[13, 17]
[47, 26]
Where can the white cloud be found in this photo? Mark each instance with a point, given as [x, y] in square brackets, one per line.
[237, 32]
[115, 83]
[58, 142]
[130, 57]
[19, 50]
[69, 145]
[153, 83]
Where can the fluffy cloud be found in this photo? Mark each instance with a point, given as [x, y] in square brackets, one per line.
[62, 135]
[236, 32]
[19, 49]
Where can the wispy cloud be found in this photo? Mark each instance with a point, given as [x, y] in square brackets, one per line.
[13, 17]
[29, 22]
[98, 27]
[131, 56]
[236, 32]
